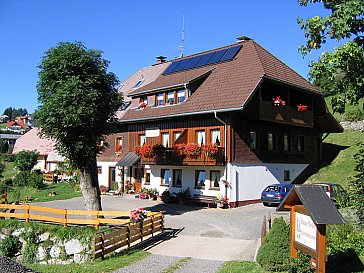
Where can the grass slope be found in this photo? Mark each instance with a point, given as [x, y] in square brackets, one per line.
[341, 169]
[348, 107]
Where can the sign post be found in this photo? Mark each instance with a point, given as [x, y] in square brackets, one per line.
[310, 210]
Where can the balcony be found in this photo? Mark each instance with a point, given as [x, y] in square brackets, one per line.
[282, 114]
[168, 156]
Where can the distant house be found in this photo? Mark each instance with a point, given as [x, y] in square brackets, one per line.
[15, 126]
[3, 118]
[234, 115]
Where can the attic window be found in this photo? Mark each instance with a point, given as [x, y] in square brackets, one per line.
[124, 105]
[138, 84]
[181, 96]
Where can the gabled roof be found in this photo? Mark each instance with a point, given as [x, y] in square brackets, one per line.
[30, 141]
[229, 85]
[318, 205]
[15, 122]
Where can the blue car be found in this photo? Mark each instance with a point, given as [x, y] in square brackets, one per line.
[274, 194]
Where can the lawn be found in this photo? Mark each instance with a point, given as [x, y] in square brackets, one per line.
[240, 266]
[63, 191]
[348, 107]
[341, 169]
[9, 170]
[3, 125]
[108, 265]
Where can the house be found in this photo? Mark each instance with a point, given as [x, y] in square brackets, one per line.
[15, 126]
[234, 116]
[47, 155]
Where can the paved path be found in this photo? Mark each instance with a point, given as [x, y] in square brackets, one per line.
[202, 239]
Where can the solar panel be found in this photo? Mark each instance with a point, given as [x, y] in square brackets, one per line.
[193, 62]
[217, 56]
[230, 53]
[181, 65]
[171, 67]
[221, 55]
[205, 58]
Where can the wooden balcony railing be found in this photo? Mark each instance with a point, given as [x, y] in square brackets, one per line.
[168, 156]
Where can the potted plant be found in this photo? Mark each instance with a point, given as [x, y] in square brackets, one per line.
[146, 150]
[183, 195]
[192, 150]
[138, 215]
[210, 150]
[153, 194]
[302, 107]
[118, 148]
[103, 189]
[179, 149]
[278, 101]
[222, 201]
[144, 193]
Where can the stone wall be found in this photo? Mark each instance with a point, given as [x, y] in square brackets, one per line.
[353, 125]
[47, 248]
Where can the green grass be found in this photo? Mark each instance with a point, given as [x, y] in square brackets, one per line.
[240, 266]
[341, 169]
[3, 125]
[63, 191]
[180, 263]
[108, 265]
[348, 107]
[9, 170]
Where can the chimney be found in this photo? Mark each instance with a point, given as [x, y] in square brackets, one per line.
[161, 59]
[242, 39]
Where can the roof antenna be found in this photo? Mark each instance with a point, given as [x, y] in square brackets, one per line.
[182, 46]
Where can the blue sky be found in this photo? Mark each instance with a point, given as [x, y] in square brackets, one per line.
[132, 33]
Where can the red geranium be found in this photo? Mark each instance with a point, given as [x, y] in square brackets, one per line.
[210, 149]
[302, 107]
[192, 150]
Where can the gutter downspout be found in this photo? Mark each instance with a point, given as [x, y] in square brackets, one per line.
[225, 139]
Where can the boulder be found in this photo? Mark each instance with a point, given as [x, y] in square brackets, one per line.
[73, 246]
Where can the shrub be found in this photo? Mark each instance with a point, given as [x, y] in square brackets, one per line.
[274, 253]
[9, 246]
[166, 196]
[3, 188]
[26, 160]
[28, 178]
[354, 115]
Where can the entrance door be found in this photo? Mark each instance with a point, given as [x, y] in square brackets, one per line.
[112, 177]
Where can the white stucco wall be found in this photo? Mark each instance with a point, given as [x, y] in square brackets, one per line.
[104, 175]
[40, 164]
[248, 180]
[188, 179]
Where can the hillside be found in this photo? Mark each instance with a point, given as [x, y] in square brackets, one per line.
[339, 163]
[348, 108]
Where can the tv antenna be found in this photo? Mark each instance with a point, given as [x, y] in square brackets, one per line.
[181, 47]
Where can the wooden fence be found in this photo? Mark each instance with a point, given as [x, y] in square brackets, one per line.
[64, 216]
[110, 240]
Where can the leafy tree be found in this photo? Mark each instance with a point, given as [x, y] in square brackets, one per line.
[78, 99]
[12, 113]
[26, 160]
[4, 146]
[2, 168]
[341, 71]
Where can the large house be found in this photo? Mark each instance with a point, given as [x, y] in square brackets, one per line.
[234, 116]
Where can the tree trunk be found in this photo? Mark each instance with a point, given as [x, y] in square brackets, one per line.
[90, 187]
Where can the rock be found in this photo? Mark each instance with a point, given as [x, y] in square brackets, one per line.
[80, 258]
[19, 259]
[2, 236]
[73, 246]
[23, 244]
[18, 232]
[55, 252]
[41, 254]
[42, 237]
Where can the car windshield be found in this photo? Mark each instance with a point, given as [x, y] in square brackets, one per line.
[273, 188]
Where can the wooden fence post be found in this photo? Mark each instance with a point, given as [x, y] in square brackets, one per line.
[152, 219]
[102, 246]
[162, 220]
[141, 230]
[27, 214]
[65, 218]
[97, 222]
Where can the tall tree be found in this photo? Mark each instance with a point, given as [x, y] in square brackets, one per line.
[341, 71]
[77, 100]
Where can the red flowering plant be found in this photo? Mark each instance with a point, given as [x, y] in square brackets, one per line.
[179, 149]
[192, 150]
[138, 215]
[103, 189]
[118, 148]
[146, 150]
[302, 107]
[210, 149]
[278, 101]
[222, 201]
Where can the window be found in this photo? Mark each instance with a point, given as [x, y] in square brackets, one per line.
[287, 175]
[118, 144]
[214, 179]
[181, 96]
[287, 142]
[177, 135]
[147, 177]
[160, 99]
[177, 178]
[272, 142]
[142, 140]
[301, 143]
[166, 176]
[215, 137]
[165, 139]
[138, 84]
[253, 140]
[170, 97]
[201, 137]
[200, 179]
[99, 169]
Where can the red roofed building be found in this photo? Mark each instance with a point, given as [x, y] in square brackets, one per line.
[234, 114]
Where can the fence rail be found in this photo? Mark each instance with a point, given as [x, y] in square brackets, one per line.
[63, 216]
[108, 241]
